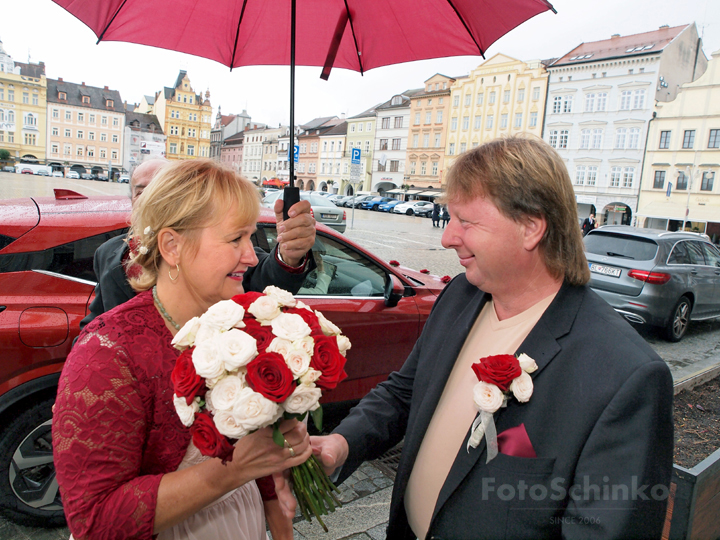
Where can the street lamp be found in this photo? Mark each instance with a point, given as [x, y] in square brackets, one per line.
[689, 175]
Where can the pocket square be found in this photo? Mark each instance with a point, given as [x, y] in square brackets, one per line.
[515, 442]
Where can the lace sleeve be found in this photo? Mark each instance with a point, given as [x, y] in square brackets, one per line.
[99, 427]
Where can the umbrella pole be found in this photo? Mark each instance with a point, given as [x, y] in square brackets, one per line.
[291, 194]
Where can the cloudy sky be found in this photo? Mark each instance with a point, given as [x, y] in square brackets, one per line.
[42, 31]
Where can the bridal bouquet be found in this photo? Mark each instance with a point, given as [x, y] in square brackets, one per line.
[249, 362]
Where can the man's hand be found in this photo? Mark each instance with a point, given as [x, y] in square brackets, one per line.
[296, 236]
[332, 450]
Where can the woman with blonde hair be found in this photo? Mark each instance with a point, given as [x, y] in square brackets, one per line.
[125, 463]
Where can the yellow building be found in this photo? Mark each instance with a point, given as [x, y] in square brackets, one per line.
[502, 96]
[683, 158]
[360, 134]
[428, 131]
[23, 109]
[186, 119]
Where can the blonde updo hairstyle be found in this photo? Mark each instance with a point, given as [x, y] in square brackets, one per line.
[186, 196]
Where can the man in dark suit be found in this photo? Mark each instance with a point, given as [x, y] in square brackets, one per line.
[588, 224]
[589, 454]
[286, 267]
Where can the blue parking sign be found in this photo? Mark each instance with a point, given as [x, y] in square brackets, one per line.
[355, 156]
[296, 153]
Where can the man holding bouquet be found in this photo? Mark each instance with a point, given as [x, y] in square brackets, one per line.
[528, 407]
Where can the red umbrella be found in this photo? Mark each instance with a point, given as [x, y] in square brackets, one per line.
[352, 34]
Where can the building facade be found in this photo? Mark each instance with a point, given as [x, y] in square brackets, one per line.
[360, 134]
[331, 174]
[601, 97]
[253, 154]
[308, 142]
[231, 153]
[224, 127]
[23, 109]
[270, 152]
[683, 158]
[85, 126]
[186, 118]
[143, 139]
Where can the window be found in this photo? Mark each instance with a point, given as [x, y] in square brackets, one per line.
[394, 165]
[68, 116]
[91, 151]
[521, 95]
[451, 149]
[707, 181]
[580, 171]
[536, 93]
[664, 139]
[79, 151]
[620, 136]
[625, 100]
[428, 117]
[633, 138]
[597, 136]
[398, 121]
[109, 103]
[55, 132]
[506, 96]
[601, 101]
[30, 139]
[386, 123]
[503, 121]
[465, 123]
[491, 101]
[67, 149]
[463, 147]
[659, 180]
[478, 122]
[417, 119]
[423, 168]
[55, 148]
[367, 147]
[80, 118]
[439, 117]
[103, 137]
[412, 167]
[437, 140]
[11, 94]
[80, 134]
[468, 100]
[689, 138]
[480, 99]
[585, 139]
[628, 177]
[434, 168]
[114, 138]
[682, 181]
[453, 124]
[714, 140]
[615, 173]
[369, 126]
[559, 138]
[518, 120]
[2, 92]
[489, 122]
[429, 101]
[396, 144]
[383, 144]
[30, 119]
[639, 99]
[589, 102]
[533, 119]
[567, 104]
[456, 101]
[557, 104]
[352, 127]
[415, 141]
[591, 176]
[114, 155]
[174, 130]
[68, 134]
[91, 118]
[55, 113]
[103, 152]
[103, 120]
[426, 140]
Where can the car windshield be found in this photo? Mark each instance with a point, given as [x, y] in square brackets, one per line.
[620, 245]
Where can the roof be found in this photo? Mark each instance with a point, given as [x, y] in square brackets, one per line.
[150, 100]
[98, 96]
[31, 70]
[225, 119]
[340, 129]
[180, 77]
[317, 122]
[367, 113]
[144, 122]
[405, 102]
[621, 46]
[233, 138]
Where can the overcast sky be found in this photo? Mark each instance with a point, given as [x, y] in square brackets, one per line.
[46, 32]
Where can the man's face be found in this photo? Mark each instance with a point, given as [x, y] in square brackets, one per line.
[142, 177]
[488, 244]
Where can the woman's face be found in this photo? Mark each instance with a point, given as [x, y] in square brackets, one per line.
[224, 254]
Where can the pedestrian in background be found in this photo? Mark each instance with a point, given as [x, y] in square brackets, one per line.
[436, 215]
[445, 216]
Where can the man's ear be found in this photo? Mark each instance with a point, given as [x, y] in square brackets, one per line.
[170, 245]
[534, 228]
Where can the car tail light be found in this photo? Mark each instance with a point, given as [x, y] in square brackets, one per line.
[312, 214]
[344, 216]
[656, 278]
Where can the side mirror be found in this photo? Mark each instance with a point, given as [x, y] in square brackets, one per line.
[394, 290]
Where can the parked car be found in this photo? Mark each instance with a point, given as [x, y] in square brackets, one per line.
[323, 211]
[72, 174]
[335, 197]
[660, 278]
[42, 172]
[87, 176]
[124, 179]
[47, 283]
[101, 178]
[374, 203]
[388, 206]
[26, 171]
[357, 201]
[410, 208]
[8, 168]
[57, 174]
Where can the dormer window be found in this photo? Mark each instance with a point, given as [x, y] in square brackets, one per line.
[109, 103]
[62, 95]
[86, 100]
[397, 100]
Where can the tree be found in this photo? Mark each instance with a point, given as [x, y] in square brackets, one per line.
[4, 155]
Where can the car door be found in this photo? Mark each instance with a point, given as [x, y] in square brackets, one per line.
[703, 277]
[349, 291]
[712, 259]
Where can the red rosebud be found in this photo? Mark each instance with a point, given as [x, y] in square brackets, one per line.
[209, 440]
[186, 382]
[269, 375]
[247, 298]
[310, 318]
[394, 263]
[424, 271]
[499, 370]
[446, 279]
[327, 359]
[262, 334]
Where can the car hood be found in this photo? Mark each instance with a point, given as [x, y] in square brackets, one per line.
[431, 282]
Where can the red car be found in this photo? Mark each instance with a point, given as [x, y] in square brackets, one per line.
[47, 283]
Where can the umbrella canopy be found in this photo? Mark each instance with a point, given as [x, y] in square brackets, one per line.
[352, 34]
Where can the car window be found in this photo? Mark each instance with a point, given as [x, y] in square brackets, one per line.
[345, 272]
[74, 259]
[620, 245]
[679, 254]
[317, 200]
[695, 252]
[712, 255]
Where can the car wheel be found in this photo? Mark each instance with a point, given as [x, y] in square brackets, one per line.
[409, 212]
[679, 320]
[28, 488]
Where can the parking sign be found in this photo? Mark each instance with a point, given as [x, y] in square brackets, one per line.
[296, 153]
[355, 156]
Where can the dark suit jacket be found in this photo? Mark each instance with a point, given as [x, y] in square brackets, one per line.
[600, 415]
[113, 289]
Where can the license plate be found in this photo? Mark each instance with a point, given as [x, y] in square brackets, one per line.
[605, 270]
[328, 216]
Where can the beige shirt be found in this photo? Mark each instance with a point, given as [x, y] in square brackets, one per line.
[456, 411]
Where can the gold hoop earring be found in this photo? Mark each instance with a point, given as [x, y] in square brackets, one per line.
[174, 279]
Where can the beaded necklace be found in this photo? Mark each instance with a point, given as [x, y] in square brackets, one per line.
[164, 313]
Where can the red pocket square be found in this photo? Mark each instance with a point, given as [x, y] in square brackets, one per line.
[515, 442]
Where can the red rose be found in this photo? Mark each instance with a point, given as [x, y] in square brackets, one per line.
[499, 370]
[187, 383]
[446, 279]
[247, 298]
[327, 359]
[269, 375]
[424, 271]
[310, 318]
[209, 440]
[394, 263]
[262, 334]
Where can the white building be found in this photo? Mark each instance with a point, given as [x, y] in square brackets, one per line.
[144, 139]
[601, 96]
[253, 154]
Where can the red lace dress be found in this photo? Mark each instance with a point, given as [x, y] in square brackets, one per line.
[115, 430]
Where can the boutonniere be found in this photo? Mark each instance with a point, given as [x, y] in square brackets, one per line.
[499, 376]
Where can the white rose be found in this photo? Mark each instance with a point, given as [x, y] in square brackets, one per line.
[306, 344]
[208, 360]
[206, 332]
[310, 376]
[208, 400]
[255, 411]
[223, 315]
[527, 364]
[184, 411]
[343, 344]
[280, 346]
[328, 328]
[226, 393]
[290, 326]
[303, 305]
[230, 424]
[488, 397]
[283, 297]
[303, 399]
[265, 308]
[238, 348]
[522, 387]
[186, 335]
[211, 382]
[298, 361]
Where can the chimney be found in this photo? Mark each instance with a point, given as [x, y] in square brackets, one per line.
[664, 26]
[83, 83]
[60, 79]
[615, 36]
[106, 88]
